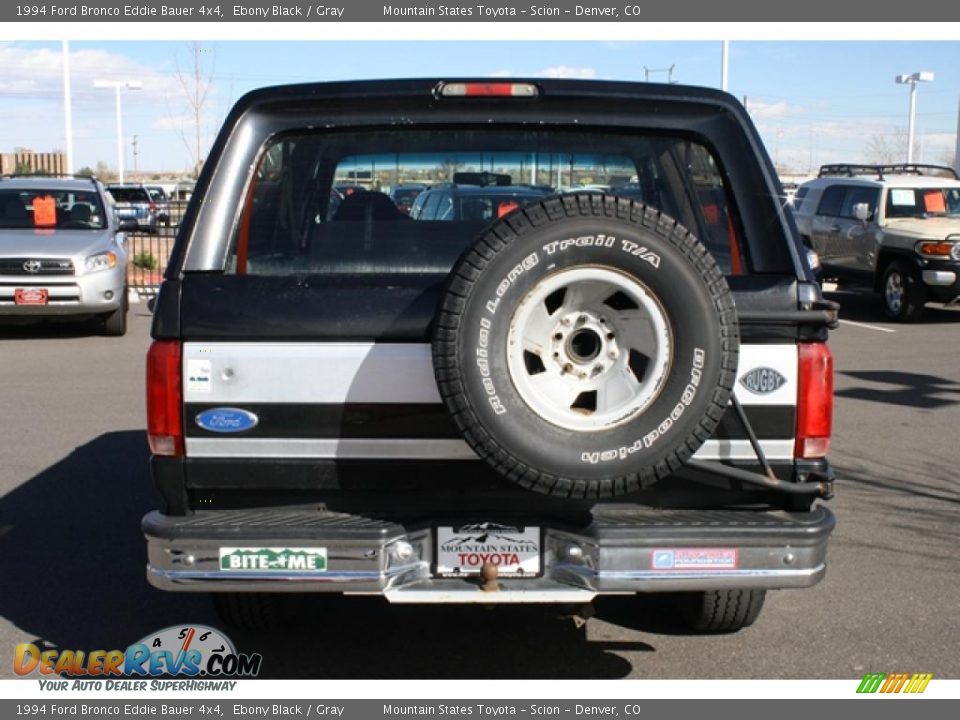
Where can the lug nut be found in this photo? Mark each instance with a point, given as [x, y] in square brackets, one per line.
[558, 336]
[612, 354]
[610, 336]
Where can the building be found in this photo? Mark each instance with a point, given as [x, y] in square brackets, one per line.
[26, 161]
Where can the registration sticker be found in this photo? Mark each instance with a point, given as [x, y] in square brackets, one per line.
[695, 559]
[273, 559]
[30, 296]
[199, 375]
[462, 550]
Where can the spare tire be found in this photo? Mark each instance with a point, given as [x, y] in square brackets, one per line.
[586, 345]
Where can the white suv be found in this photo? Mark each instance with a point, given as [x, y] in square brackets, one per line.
[895, 227]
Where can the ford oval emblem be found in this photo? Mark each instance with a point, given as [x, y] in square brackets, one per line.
[763, 380]
[227, 420]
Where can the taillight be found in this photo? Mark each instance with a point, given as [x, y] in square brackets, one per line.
[164, 421]
[814, 401]
[153, 208]
[488, 89]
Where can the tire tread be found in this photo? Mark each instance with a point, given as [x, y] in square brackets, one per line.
[516, 225]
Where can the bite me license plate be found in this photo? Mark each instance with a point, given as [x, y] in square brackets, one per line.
[462, 550]
[30, 296]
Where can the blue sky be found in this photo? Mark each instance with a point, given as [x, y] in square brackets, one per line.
[814, 102]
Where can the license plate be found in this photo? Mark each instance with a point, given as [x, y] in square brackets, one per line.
[463, 550]
[30, 296]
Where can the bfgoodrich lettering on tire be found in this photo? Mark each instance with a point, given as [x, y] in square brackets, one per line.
[586, 345]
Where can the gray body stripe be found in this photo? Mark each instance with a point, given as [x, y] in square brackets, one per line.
[234, 374]
[420, 449]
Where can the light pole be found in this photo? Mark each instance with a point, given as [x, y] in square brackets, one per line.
[117, 85]
[912, 81]
[67, 106]
[724, 65]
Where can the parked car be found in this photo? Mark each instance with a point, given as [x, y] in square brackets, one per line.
[404, 195]
[472, 202]
[537, 398]
[162, 203]
[133, 202]
[348, 189]
[61, 251]
[893, 228]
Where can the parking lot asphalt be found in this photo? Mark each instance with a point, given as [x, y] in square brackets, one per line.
[74, 483]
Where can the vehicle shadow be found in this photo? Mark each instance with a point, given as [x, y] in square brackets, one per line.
[862, 305]
[74, 579]
[48, 329]
[354, 637]
[902, 388]
[60, 328]
[74, 557]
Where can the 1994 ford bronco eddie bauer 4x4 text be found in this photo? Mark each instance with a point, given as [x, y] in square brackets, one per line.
[608, 374]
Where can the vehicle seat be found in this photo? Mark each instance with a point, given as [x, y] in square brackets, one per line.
[80, 213]
[15, 213]
[363, 206]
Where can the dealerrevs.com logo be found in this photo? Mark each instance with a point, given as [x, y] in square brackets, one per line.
[191, 651]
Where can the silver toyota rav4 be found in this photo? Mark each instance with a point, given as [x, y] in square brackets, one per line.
[61, 251]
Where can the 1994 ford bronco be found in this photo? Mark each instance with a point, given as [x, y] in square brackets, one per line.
[594, 363]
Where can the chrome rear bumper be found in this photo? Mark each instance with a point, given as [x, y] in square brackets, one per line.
[623, 550]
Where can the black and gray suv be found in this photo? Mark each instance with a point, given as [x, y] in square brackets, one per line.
[569, 396]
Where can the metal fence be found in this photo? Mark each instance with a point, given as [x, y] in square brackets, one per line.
[148, 253]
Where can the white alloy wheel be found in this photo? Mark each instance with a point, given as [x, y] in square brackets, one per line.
[589, 348]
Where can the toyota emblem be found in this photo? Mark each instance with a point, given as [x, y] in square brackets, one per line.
[32, 266]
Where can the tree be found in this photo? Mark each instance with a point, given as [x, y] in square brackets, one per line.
[448, 168]
[947, 156]
[890, 148]
[86, 171]
[104, 173]
[196, 82]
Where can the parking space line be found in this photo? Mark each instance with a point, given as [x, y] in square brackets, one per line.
[867, 325]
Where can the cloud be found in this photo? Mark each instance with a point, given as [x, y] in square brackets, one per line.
[760, 110]
[565, 71]
[557, 71]
[37, 73]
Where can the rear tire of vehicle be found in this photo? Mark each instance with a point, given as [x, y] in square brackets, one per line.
[586, 346]
[720, 611]
[902, 293]
[115, 323]
[249, 611]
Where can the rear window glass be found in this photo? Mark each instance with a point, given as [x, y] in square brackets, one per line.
[294, 224]
[129, 195]
[51, 209]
